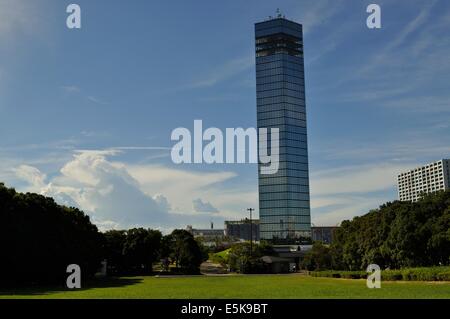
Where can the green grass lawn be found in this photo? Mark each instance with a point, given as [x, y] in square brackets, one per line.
[224, 253]
[240, 286]
[220, 256]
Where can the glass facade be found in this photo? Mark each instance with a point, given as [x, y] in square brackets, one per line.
[284, 207]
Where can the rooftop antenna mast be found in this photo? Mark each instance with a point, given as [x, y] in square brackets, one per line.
[251, 229]
[279, 14]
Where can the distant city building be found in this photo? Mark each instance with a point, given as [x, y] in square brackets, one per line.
[240, 229]
[288, 258]
[210, 236]
[324, 234]
[284, 207]
[429, 178]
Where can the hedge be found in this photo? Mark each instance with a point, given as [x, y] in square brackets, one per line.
[441, 273]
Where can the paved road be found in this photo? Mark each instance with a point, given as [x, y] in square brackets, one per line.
[210, 268]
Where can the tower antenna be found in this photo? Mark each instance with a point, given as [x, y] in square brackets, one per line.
[278, 12]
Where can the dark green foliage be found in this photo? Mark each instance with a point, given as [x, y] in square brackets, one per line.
[346, 274]
[318, 258]
[441, 273]
[39, 239]
[397, 235]
[141, 248]
[114, 244]
[204, 249]
[133, 251]
[182, 249]
[242, 259]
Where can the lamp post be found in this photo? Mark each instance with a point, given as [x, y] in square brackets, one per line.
[251, 230]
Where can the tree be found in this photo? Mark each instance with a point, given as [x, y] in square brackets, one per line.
[203, 248]
[141, 249]
[40, 238]
[114, 243]
[318, 258]
[397, 235]
[242, 259]
[181, 247]
[132, 251]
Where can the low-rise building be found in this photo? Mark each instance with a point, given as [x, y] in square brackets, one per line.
[242, 229]
[210, 236]
[325, 234]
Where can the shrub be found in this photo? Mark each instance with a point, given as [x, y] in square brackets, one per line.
[339, 274]
[391, 275]
[444, 276]
[408, 274]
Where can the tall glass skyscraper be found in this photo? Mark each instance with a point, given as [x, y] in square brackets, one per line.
[284, 206]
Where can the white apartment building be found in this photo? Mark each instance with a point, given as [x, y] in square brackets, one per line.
[429, 178]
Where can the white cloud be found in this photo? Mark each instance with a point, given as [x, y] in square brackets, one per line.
[17, 16]
[343, 207]
[422, 104]
[173, 182]
[224, 72]
[182, 186]
[359, 179]
[356, 179]
[412, 26]
[31, 175]
[203, 207]
[395, 45]
[316, 13]
[71, 88]
[102, 188]
[97, 100]
[19, 20]
[412, 62]
[410, 148]
[108, 191]
[74, 89]
[119, 195]
[342, 193]
[162, 201]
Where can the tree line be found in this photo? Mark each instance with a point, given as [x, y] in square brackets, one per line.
[134, 251]
[394, 236]
[39, 239]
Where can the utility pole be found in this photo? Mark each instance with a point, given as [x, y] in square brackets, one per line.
[251, 230]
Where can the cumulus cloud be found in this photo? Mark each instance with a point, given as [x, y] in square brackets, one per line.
[162, 202]
[102, 188]
[107, 190]
[118, 195]
[31, 175]
[203, 207]
[158, 179]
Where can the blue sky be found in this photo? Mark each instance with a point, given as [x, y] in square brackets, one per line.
[86, 115]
